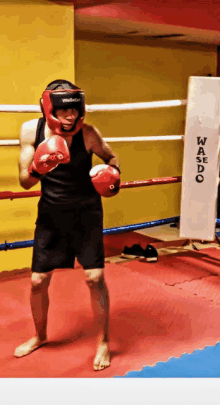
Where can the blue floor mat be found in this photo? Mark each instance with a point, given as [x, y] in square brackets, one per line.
[200, 364]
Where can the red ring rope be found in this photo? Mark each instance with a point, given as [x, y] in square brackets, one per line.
[4, 195]
[129, 184]
[151, 182]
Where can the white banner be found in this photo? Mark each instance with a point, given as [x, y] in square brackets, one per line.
[200, 166]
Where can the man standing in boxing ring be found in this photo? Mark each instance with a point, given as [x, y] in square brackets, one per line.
[57, 150]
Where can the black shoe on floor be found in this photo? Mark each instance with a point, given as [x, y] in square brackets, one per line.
[151, 254]
[135, 250]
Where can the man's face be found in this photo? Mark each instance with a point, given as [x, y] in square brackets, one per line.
[67, 117]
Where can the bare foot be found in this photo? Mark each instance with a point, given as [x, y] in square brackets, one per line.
[102, 358]
[29, 347]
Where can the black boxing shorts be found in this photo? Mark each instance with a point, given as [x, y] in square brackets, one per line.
[64, 233]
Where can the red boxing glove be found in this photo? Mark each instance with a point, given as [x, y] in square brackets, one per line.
[49, 154]
[105, 179]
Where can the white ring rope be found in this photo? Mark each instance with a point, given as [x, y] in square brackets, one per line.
[20, 108]
[14, 142]
[9, 142]
[135, 106]
[16, 108]
[98, 107]
[145, 138]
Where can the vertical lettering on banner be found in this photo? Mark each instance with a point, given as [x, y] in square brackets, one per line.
[200, 176]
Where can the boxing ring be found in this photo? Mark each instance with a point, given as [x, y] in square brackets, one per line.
[160, 312]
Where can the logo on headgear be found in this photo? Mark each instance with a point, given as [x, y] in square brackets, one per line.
[66, 100]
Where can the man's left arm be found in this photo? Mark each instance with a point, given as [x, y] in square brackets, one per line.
[101, 148]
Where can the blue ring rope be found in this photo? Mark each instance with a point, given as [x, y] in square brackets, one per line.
[109, 231]
[127, 228]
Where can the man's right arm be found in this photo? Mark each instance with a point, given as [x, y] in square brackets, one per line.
[27, 151]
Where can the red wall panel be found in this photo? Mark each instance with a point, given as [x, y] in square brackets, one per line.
[203, 14]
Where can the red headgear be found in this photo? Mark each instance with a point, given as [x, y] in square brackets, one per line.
[62, 94]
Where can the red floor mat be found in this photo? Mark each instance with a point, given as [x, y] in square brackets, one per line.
[150, 321]
[204, 288]
[114, 244]
[179, 267]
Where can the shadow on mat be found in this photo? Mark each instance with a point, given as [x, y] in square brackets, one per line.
[81, 333]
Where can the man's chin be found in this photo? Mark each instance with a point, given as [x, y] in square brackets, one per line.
[67, 128]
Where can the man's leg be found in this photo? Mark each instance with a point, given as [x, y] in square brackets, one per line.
[39, 306]
[100, 305]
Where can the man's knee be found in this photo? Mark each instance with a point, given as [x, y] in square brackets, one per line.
[40, 281]
[95, 278]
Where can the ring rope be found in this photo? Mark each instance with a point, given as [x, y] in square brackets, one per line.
[4, 195]
[151, 182]
[145, 138]
[9, 142]
[10, 195]
[135, 106]
[22, 108]
[15, 142]
[18, 108]
[107, 231]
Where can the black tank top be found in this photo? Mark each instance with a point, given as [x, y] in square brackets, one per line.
[70, 182]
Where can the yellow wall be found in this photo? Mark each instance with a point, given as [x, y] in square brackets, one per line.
[33, 53]
[36, 47]
[122, 73]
